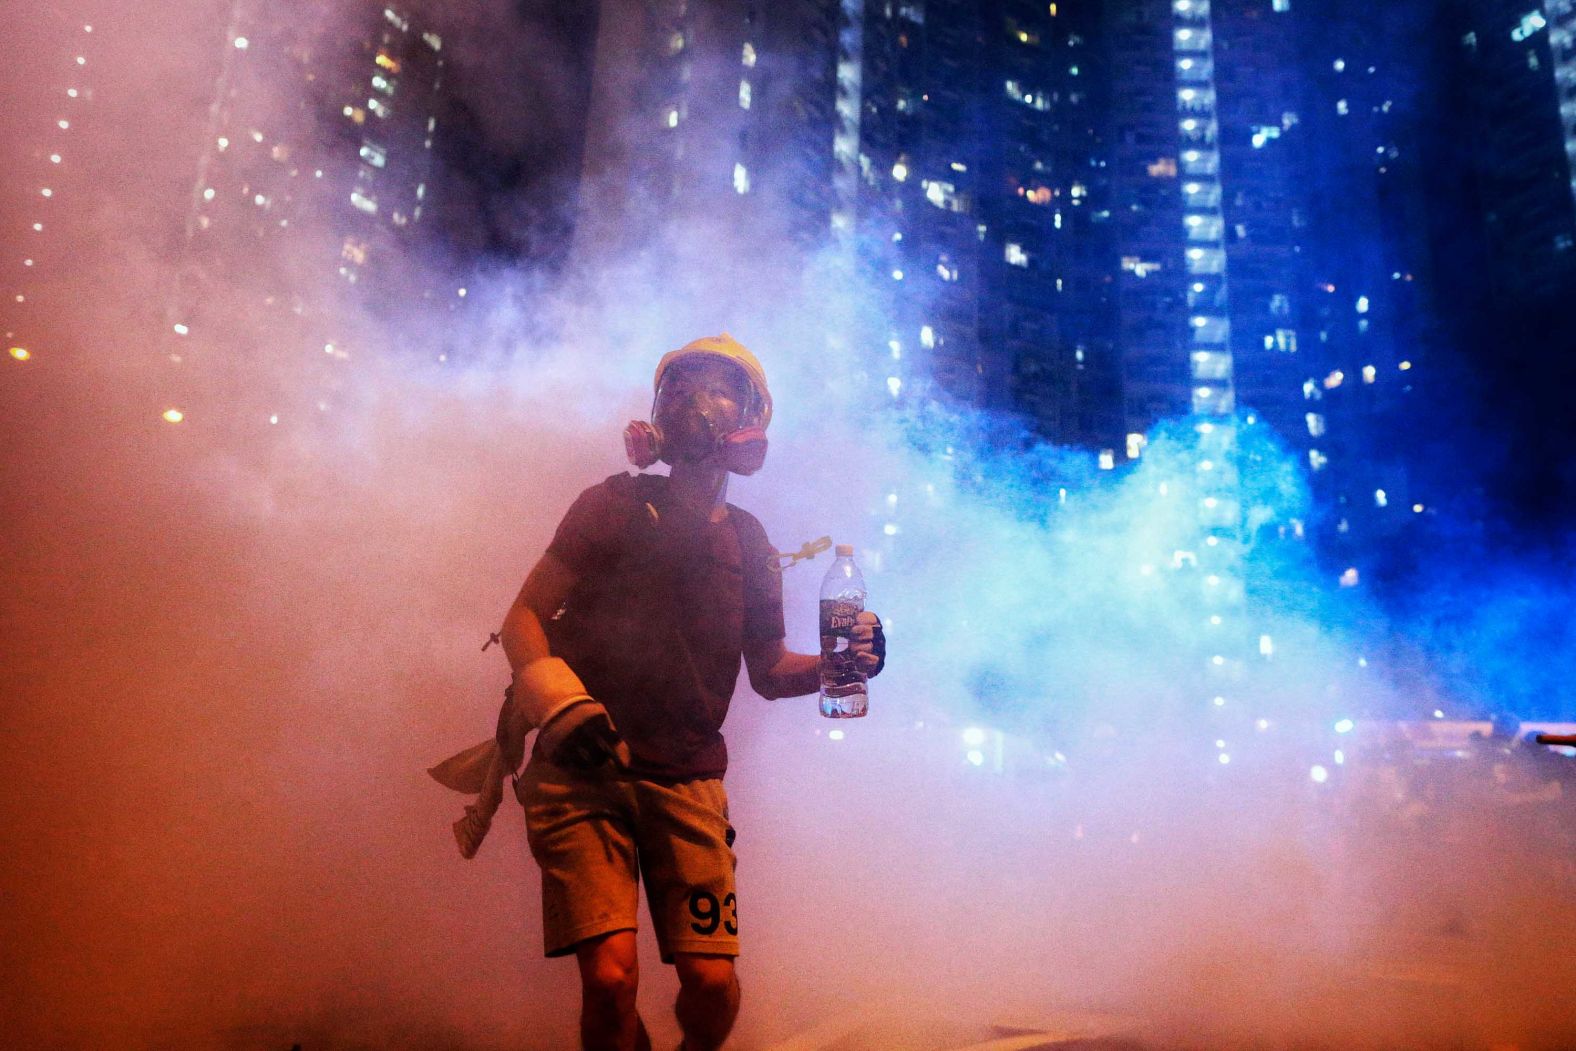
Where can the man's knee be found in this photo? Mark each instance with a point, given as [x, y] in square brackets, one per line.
[609, 971]
[711, 977]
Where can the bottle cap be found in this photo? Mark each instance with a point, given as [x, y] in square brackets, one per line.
[845, 550]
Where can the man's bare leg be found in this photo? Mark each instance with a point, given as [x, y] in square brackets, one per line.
[609, 977]
[708, 999]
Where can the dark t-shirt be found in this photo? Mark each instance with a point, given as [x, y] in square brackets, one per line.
[656, 623]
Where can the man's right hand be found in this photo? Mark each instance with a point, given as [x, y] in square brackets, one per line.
[591, 746]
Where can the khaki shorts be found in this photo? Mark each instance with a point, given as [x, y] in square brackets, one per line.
[595, 838]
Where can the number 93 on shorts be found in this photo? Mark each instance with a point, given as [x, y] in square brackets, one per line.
[596, 839]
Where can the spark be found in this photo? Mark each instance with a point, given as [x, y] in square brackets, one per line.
[174, 415]
[21, 353]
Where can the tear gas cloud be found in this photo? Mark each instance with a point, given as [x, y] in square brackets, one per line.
[229, 659]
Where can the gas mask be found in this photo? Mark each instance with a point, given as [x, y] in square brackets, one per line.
[692, 425]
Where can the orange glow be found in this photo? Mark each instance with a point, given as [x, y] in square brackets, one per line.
[388, 63]
[174, 415]
[21, 353]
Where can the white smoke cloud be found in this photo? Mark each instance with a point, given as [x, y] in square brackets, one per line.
[232, 650]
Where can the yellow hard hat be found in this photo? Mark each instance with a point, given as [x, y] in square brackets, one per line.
[729, 349]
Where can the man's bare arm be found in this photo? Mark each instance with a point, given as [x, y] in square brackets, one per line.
[545, 589]
[776, 672]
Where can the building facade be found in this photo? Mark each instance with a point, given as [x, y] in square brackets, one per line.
[312, 180]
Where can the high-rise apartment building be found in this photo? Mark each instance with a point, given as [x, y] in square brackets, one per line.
[1515, 81]
[315, 171]
[1521, 59]
[982, 206]
[52, 117]
[709, 114]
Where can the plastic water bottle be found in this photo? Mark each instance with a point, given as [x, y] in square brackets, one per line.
[843, 691]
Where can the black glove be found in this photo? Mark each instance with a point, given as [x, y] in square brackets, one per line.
[591, 746]
[878, 647]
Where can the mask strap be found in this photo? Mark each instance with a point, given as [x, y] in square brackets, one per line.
[811, 548]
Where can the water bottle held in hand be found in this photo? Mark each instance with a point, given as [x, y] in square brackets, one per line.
[844, 694]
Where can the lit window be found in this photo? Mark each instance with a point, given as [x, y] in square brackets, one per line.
[1286, 340]
[1341, 107]
[395, 19]
[927, 337]
[672, 119]
[1039, 195]
[900, 171]
[378, 107]
[1315, 423]
[944, 195]
[1370, 373]
[1015, 255]
[1334, 379]
[373, 154]
[387, 61]
[1034, 100]
[1317, 460]
[1531, 22]
[354, 251]
[744, 94]
[363, 202]
[741, 179]
[1280, 5]
[894, 385]
[1135, 445]
[1210, 365]
[1139, 267]
[1163, 168]
[1107, 459]
[433, 41]
[1349, 578]
[1381, 498]
[241, 44]
[1362, 304]
[382, 83]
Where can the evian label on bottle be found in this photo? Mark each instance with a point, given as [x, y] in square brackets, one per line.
[837, 622]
